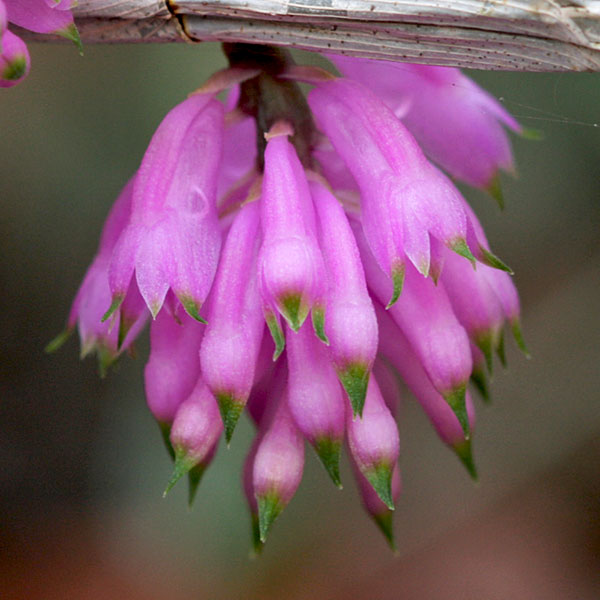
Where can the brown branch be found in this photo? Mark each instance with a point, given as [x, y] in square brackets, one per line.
[517, 35]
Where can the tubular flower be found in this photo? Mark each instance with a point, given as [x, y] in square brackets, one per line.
[250, 215]
[173, 237]
[194, 436]
[290, 265]
[458, 125]
[235, 322]
[405, 200]
[106, 339]
[39, 16]
[315, 398]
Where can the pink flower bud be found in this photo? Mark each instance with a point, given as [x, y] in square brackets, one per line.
[315, 398]
[502, 284]
[173, 367]
[457, 124]
[14, 59]
[290, 261]
[173, 239]
[351, 326]
[195, 433]
[374, 443]
[278, 467]
[507, 295]
[474, 303]
[397, 349]
[373, 504]
[235, 321]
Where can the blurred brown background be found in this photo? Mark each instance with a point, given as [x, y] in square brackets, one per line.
[82, 463]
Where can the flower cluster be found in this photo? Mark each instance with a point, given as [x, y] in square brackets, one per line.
[40, 16]
[250, 215]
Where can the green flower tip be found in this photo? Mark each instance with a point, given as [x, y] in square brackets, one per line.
[464, 451]
[269, 508]
[15, 69]
[479, 380]
[165, 432]
[355, 379]
[494, 189]
[276, 334]
[58, 342]
[398, 282]
[194, 478]
[435, 271]
[491, 260]
[125, 325]
[329, 451]
[380, 477]
[385, 522]
[231, 409]
[500, 350]
[183, 464]
[318, 321]
[484, 341]
[534, 135]
[456, 401]
[106, 358]
[294, 310]
[257, 545]
[191, 307]
[72, 33]
[116, 303]
[88, 346]
[462, 249]
[518, 335]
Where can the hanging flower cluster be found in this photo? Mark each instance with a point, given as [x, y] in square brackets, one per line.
[296, 254]
[41, 16]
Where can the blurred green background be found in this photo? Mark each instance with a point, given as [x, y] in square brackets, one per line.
[83, 466]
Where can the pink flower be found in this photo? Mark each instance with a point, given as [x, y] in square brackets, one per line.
[457, 124]
[173, 239]
[173, 367]
[107, 339]
[398, 350]
[405, 201]
[425, 316]
[378, 510]
[333, 211]
[374, 443]
[290, 265]
[235, 322]
[351, 326]
[315, 398]
[195, 435]
[277, 467]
